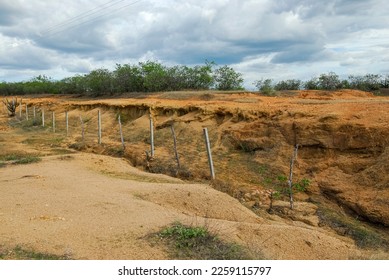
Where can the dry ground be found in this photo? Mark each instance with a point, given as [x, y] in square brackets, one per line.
[90, 206]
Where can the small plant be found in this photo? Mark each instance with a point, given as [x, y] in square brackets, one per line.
[281, 190]
[265, 86]
[187, 242]
[302, 185]
[185, 236]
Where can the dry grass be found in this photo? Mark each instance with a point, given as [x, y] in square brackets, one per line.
[364, 235]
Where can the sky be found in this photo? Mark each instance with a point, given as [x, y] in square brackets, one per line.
[276, 39]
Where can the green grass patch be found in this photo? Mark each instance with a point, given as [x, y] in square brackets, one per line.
[16, 158]
[186, 242]
[19, 253]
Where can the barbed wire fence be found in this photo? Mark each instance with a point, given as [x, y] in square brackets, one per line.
[162, 143]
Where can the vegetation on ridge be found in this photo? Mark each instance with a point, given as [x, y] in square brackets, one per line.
[152, 76]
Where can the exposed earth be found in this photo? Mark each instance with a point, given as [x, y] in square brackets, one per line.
[91, 201]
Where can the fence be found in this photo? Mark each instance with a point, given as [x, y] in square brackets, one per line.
[98, 127]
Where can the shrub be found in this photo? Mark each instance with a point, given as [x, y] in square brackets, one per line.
[226, 78]
[329, 81]
[288, 85]
[265, 86]
[186, 242]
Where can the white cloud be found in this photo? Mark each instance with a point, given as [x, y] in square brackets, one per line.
[277, 39]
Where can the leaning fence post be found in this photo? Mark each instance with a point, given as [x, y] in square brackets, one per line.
[151, 135]
[82, 129]
[290, 181]
[121, 133]
[67, 123]
[54, 122]
[26, 112]
[34, 112]
[208, 145]
[175, 146]
[20, 108]
[43, 117]
[99, 126]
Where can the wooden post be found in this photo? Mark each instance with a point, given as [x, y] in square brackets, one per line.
[208, 145]
[20, 108]
[175, 147]
[34, 112]
[151, 136]
[99, 126]
[26, 112]
[43, 117]
[290, 181]
[82, 129]
[121, 134]
[67, 123]
[54, 122]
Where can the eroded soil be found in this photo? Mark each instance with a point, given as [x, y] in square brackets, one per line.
[92, 206]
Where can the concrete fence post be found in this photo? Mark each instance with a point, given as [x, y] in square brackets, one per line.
[20, 108]
[208, 145]
[43, 117]
[99, 126]
[53, 121]
[151, 135]
[121, 133]
[67, 123]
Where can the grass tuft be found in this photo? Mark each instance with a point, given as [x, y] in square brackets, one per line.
[20, 253]
[16, 158]
[186, 242]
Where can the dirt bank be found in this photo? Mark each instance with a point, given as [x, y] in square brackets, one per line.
[343, 151]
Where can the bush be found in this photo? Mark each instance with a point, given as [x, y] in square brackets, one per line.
[288, 85]
[312, 84]
[329, 81]
[265, 86]
[226, 78]
[99, 82]
[368, 82]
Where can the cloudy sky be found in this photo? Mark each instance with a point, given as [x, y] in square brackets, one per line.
[278, 39]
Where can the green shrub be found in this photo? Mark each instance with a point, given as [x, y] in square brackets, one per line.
[187, 242]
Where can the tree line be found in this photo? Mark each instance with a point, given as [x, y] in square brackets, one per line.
[147, 76]
[151, 76]
[326, 81]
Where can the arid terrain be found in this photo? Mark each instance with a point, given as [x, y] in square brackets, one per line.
[88, 200]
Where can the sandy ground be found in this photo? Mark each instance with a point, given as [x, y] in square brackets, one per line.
[66, 205]
[91, 206]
